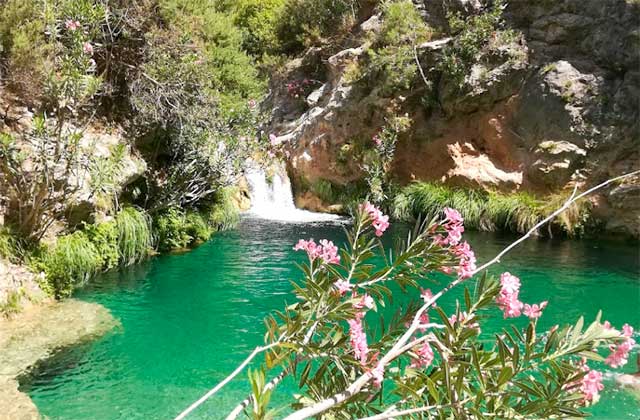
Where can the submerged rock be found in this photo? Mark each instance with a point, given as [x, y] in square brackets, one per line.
[35, 336]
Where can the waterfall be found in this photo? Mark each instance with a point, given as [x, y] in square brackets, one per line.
[274, 200]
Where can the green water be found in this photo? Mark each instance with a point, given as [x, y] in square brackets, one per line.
[187, 320]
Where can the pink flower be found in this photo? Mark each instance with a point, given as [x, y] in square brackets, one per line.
[424, 321]
[591, 385]
[329, 252]
[379, 221]
[425, 356]
[534, 311]
[507, 300]
[358, 340]
[365, 302]
[71, 25]
[326, 250]
[467, 266]
[343, 286]
[87, 48]
[509, 283]
[607, 325]
[620, 354]
[377, 140]
[426, 295]
[252, 103]
[273, 139]
[463, 318]
[377, 374]
[453, 216]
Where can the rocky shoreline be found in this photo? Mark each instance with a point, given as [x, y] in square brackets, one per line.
[34, 336]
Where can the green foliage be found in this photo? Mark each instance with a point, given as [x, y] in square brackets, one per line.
[197, 227]
[482, 210]
[303, 23]
[258, 20]
[171, 228]
[135, 237]
[11, 305]
[104, 237]
[472, 35]
[224, 213]
[71, 262]
[393, 55]
[9, 246]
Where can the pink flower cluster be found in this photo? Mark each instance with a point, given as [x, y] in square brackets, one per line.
[377, 140]
[87, 48]
[297, 88]
[620, 353]
[467, 265]
[274, 140]
[425, 356]
[343, 286]
[72, 25]
[380, 221]
[591, 385]
[358, 338]
[326, 250]
[453, 224]
[508, 300]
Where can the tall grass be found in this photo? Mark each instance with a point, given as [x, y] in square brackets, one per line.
[9, 247]
[135, 237]
[488, 211]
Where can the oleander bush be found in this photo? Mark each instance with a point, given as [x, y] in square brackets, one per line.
[353, 351]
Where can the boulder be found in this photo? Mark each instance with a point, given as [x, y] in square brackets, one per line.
[555, 162]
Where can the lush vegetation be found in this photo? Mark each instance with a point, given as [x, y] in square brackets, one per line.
[483, 210]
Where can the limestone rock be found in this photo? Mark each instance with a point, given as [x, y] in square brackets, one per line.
[555, 162]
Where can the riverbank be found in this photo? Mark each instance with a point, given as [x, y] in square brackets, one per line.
[37, 334]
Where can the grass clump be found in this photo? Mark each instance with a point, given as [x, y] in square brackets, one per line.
[489, 211]
[135, 237]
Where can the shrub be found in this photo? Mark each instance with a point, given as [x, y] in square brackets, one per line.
[171, 229]
[302, 22]
[258, 20]
[197, 227]
[104, 237]
[71, 262]
[393, 56]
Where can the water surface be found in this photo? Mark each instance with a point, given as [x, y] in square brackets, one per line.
[189, 319]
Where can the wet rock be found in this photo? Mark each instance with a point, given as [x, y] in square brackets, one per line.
[37, 334]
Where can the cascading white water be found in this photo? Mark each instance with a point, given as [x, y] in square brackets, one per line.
[275, 200]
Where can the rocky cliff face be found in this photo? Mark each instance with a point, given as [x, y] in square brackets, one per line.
[555, 106]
